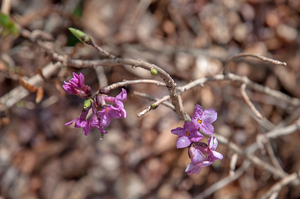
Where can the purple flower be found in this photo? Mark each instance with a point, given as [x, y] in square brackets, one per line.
[92, 123]
[198, 159]
[81, 120]
[204, 119]
[76, 86]
[187, 135]
[118, 101]
[87, 126]
[102, 118]
[106, 113]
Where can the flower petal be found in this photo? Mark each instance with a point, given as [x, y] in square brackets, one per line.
[198, 112]
[207, 128]
[196, 137]
[216, 155]
[192, 169]
[197, 157]
[212, 143]
[205, 163]
[209, 116]
[81, 79]
[71, 122]
[178, 131]
[189, 126]
[122, 96]
[102, 130]
[86, 130]
[104, 118]
[195, 123]
[182, 141]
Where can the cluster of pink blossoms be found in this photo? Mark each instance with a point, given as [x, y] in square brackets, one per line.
[190, 136]
[101, 111]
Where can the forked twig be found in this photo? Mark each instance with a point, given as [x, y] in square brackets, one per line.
[154, 105]
[165, 103]
[275, 189]
[225, 181]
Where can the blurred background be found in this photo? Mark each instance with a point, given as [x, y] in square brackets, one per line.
[40, 157]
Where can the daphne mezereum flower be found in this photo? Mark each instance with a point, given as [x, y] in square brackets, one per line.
[92, 123]
[188, 134]
[76, 86]
[81, 120]
[116, 111]
[199, 159]
[203, 119]
[118, 101]
[102, 118]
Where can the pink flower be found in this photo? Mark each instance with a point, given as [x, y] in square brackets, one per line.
[102, 118]
[187, 135]
[76, 86]
[204, 119]
[199, 159]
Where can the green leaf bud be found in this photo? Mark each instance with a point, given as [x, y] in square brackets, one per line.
[153, 71]
[87, 103]
[80, 35]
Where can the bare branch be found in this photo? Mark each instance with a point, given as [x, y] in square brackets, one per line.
[233, 164]
[154, 105]
[279, 185]
[247, 100]
[5, 8]
[283, 131]
[252, 158]
[247, 81]
[18, 93]
[225, 181]
[266, 59]
[102, 79]
[167, 104]
[130, 82]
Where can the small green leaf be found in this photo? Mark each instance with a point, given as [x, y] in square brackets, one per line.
[153, 106]
[80, 35]
[153, 71]
[87, 103]
[8, 25]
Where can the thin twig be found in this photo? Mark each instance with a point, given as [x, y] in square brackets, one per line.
[247, 100]
[18, 93]
[167, 104]
[233, 164]
[225, 181]
[252, 158]
[263, 58]
[279, 185]
[130, 82]
[153, 106]
[101, 50]
[5, 7]
[272, 156]
[284, 131]
[102, 79]
[247, 81]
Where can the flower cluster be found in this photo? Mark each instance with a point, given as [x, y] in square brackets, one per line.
[101, 111]
[190, 136]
